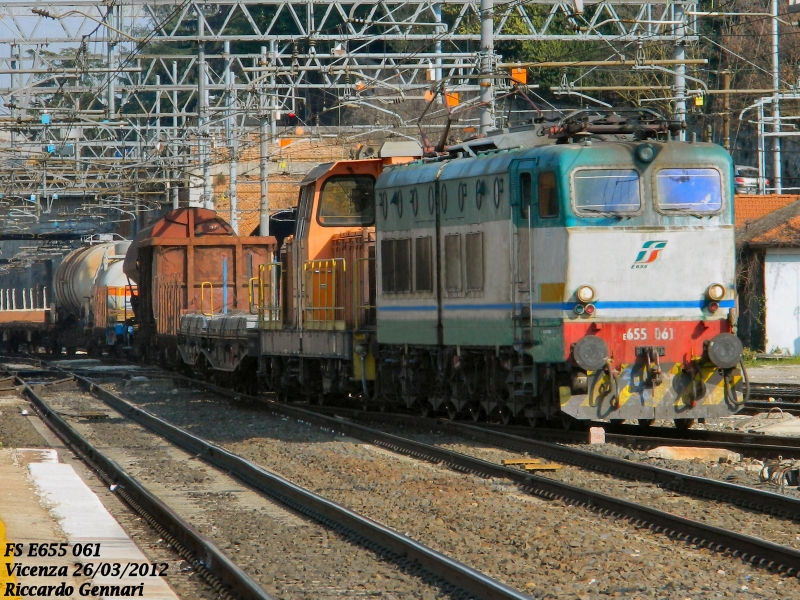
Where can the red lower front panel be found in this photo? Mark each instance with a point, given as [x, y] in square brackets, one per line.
[681, 341]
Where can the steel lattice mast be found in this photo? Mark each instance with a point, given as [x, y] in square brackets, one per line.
[134, 92]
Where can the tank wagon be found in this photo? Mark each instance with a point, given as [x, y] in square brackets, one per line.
[88, 306]
[93, 298]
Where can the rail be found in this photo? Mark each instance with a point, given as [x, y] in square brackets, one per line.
[358, 289]
[386, 540]
[205, 557]
[268, 306]
[203, 298]
[756, 550]
[320, 308]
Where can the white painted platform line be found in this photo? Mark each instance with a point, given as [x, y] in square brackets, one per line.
[84, 519]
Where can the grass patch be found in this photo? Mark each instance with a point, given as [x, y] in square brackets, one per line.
[750, 359]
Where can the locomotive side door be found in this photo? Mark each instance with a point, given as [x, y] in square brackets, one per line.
[523, 177]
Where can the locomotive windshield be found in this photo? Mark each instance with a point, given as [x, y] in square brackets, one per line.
[689, 190]
[347, 200]
[604, 191]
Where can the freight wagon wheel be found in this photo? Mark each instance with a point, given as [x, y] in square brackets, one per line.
[645, 422]
[452, 411]
[505, 416]
[535, 422]
[684, 424]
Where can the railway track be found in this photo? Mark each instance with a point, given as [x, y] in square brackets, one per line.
[221, 574]
[452, 577]
[756, 446]
[750, 548]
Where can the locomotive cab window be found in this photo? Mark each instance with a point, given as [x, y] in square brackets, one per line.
[347, 200]
[548, 195]
[689, 190]
[607, 191]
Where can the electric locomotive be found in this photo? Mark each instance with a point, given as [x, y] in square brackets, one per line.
[579, 279]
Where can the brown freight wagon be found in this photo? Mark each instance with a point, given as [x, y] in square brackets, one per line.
[190, 262]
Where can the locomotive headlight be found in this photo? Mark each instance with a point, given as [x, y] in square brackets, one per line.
[645, 153]
[585, 294]
[716, 292]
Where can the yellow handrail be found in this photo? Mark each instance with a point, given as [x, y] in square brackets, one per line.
[357, 288]
[253, 305]
[203, 298]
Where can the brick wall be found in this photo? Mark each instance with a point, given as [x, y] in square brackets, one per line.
[289, 162]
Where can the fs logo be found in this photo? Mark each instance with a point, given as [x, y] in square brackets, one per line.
[648, 254]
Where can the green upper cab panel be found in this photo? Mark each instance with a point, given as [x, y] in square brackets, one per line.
[633, 184]
[463, 191]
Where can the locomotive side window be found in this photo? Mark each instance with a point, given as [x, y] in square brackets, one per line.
[402, 265]
[474, 250]
[525, 193]
[424, 264]
[387, 266]
[452, 262]
[689, 190]
[347, 200]
[603, 191]
[548, 195]
[396, 265]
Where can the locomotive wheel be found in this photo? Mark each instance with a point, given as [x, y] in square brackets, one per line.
[684, 424]
[476, 412]
[424, 408]
[569, 422]
[646, 422]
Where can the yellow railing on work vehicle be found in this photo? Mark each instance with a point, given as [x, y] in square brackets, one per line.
[203, 298]
[320, 307]
[267, 305]
[361, 303]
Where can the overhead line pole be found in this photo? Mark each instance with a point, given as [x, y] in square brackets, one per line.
[204, 135]
[230, 126]
[680, 68]
[264, 131]
[487, 59]
[776, 110]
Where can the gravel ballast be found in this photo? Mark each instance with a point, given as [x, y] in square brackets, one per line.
[545, 548]
[288, 554]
